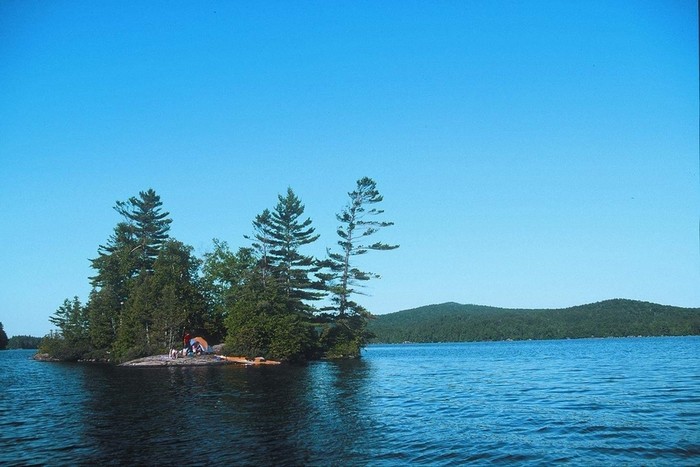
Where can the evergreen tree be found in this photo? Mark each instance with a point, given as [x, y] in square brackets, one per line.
[288, 233]
[116, 265]
[259, 323]
[179, 300]
[162, 303]
[3, 338]
[124, 298]
[104, 310]
[269, 314]
[224, 274]
[71, 320]
[262, 244]
[133, 337]
[72, 340]
[358, 221]
[150, 225]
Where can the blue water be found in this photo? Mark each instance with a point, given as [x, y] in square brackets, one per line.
[577, 402]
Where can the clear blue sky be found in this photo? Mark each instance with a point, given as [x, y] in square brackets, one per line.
[532, 154]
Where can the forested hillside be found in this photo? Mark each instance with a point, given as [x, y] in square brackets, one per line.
[452, 322]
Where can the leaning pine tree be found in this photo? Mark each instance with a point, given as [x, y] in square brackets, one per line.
[358, 220]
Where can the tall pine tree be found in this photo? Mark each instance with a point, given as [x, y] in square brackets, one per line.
[270, 313]
[262, 244]
[150, 225]
[358, 221]
[122, 302]
[288, 233]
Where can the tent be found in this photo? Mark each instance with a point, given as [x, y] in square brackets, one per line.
[201, 342]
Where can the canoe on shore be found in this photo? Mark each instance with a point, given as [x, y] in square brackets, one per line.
[255, 361]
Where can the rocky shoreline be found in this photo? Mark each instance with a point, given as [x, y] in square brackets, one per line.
[197, 360]
[166, 360]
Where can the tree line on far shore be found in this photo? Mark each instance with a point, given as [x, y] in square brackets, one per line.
[3, 338]
[268, 298]
[18, 342]
[452, 322]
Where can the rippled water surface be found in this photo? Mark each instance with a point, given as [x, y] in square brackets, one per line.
[592, 401]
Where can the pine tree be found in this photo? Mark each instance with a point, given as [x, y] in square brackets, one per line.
[179, 302]
[358, 221]
[72, 340]
[71, 320]
[116, 265]
[122, 302]
[262, 244]
[288, 234]
[104, 314]
[150, 225]
[270, 313]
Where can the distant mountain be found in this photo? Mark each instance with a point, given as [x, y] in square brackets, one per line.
[452, 322]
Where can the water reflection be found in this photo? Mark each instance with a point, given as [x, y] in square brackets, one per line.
[341, 400]
[602, 402]
[272, 415]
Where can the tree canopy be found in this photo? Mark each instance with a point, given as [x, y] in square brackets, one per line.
[148, 288]
[3, 338]
[23, 342]
[358, 221]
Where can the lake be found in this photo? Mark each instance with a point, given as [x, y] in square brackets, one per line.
[629, 401]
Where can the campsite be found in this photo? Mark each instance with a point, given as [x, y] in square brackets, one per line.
[199, 353]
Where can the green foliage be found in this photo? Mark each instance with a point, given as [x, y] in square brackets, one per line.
[287, 234]
[104, 316]
[344, 338]
[122, 306]
[293, 338]
[70, 319]
[179, 301]
[148, 288]
[358, 221]
[260, 324]
[71, 341]
[224, 273]
[133, 332]
[3, 338]
[62, 348]
[148, 225]
[162, 303]
[23, 342]
[268, 288]
[452, 322]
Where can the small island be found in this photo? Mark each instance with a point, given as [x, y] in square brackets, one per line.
[266, 301]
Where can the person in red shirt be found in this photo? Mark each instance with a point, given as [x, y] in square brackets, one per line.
[186, 340]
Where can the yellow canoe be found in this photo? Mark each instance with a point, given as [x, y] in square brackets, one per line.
[255, 361]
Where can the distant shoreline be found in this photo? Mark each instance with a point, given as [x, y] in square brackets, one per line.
[453, 322]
